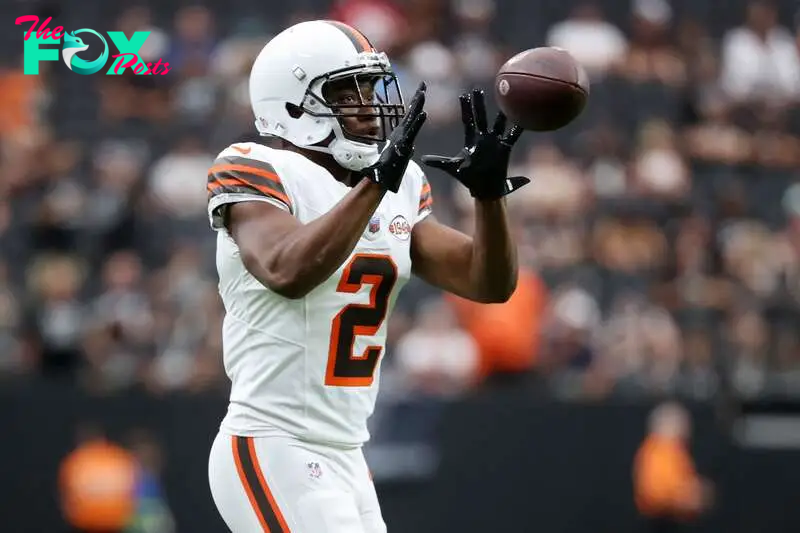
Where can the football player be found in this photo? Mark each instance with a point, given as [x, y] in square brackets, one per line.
[320, 224]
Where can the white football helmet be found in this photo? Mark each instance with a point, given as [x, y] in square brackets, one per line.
[286, 90]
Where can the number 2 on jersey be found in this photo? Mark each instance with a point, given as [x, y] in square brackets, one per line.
[346, 368]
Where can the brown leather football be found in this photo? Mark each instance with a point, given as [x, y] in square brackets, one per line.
[542, 89]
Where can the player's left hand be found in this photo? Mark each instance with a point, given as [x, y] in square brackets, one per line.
[388, 172]
[482, 164]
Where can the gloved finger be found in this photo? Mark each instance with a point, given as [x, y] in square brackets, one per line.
[467, 118]
[513, 135]
[415, 126]
[499, 124]
[448, 164]
[416, 104]
[479, 111]
[516, 182]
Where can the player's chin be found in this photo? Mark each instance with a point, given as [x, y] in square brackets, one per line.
[371, 136]
[363, 130]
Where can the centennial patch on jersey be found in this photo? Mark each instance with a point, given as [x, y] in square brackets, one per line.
[245, 176]
[400, 228]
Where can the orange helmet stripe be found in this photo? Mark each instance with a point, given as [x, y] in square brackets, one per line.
[358, 39]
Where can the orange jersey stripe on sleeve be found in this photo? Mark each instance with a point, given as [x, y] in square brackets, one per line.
[244, 176]
[425, 196]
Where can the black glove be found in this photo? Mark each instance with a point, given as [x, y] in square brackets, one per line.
[483, 162]
[391, 166]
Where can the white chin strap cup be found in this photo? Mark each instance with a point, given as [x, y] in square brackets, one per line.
[352, 155]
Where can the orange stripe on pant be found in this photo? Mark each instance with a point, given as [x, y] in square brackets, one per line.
[255, 485]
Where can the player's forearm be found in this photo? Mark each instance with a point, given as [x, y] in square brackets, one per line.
[493, 267]
[312, 253]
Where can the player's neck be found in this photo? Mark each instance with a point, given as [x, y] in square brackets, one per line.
[327, 162]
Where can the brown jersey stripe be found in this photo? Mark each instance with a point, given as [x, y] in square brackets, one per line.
[425, 204]
[248, 170]
[221, 185]
[236, 186]
[426, 186]
[425, 195]
[248, 176]
[265, 167]
[358, 39]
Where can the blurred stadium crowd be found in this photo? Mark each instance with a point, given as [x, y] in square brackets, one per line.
[660, 238]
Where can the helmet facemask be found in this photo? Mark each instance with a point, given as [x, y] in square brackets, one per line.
[364, 104]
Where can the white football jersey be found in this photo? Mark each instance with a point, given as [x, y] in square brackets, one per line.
[310, 366]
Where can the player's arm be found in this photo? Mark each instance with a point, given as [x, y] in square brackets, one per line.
[292, 258]
[482, 267]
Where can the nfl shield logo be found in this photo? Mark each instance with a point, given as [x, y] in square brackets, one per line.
[374, 224]
[314, 470]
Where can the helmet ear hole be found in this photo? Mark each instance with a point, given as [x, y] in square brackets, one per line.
[293, 110]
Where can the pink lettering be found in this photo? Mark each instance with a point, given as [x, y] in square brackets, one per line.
[122, 64]
[28, 18]
[155, 67]
[43, 32]
[134, 62]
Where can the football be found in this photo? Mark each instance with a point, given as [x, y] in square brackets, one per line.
[542, 89]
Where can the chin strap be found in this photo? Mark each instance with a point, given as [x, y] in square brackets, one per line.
[354, 156]
[349, 154]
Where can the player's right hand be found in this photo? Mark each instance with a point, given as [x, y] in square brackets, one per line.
[391, 166]
[482, 164]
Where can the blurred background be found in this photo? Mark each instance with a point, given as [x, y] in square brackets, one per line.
[644, 376]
